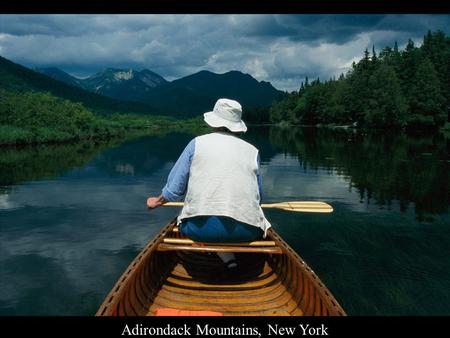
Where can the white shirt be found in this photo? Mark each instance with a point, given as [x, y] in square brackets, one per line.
[223, 182]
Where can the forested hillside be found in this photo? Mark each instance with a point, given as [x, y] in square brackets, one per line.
[33, 117]
[18, 78]
[392, 88]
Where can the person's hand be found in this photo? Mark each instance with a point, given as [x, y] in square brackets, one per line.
[153, 202]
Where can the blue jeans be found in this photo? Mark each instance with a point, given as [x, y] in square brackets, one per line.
[219, 229]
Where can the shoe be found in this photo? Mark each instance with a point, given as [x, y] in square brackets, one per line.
[231, 264]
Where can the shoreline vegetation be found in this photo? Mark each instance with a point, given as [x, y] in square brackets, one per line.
[40, 118]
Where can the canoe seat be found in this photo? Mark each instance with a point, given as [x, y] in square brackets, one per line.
[184, 244]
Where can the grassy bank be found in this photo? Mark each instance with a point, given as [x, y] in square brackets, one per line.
[32, 118]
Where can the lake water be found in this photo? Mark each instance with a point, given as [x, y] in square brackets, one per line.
[72, 217]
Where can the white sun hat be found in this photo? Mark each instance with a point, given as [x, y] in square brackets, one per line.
[227, 113]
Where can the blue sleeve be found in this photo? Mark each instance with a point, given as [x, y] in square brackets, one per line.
[175, 189]
[258, 177]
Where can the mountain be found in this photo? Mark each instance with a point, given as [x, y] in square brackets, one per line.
[60, 75]
[186, 97]
[131, 91]
[233, 84]
[123, 84]
[19, 78]
[197, 93]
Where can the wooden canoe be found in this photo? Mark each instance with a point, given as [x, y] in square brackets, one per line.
[172, 272]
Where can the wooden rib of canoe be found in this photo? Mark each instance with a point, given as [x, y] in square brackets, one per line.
[173, 272]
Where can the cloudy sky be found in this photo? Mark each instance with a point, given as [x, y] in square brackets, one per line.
[282, 49]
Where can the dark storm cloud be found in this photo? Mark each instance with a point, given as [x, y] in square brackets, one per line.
[282, 49]
[22, 25]
[313, 28]
[75, 25]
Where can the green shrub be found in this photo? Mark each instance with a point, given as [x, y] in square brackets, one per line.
[15, 135]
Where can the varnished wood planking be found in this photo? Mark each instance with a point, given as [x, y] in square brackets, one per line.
[271, 284]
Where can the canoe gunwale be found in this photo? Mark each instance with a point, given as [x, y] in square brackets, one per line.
[323, 292]
[319, 300]
[112, 299]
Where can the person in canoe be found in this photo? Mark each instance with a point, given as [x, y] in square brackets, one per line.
[218, 176]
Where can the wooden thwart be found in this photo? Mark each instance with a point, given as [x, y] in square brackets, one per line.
[218, 248]
[185, 244]
[191, 242]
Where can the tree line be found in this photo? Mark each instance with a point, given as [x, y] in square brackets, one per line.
[40, 117]
[392, 88]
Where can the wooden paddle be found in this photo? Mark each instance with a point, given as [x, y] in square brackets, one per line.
[297, 206]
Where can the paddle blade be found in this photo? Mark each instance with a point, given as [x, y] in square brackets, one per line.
[301, 206]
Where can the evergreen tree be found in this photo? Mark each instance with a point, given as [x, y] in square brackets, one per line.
[374, 55]
[386, 54]
[386, 105]
[427, 104]
[391, 89]
[409, 60]
[437, 48]
[301, 90]
[359, 88]
[395, 60]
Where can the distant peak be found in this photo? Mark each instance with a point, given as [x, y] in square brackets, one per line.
[236, 72]
[116, 70]
[231, 72]
[113, 70]
[204, 71]
[115, 74]
[124, 74]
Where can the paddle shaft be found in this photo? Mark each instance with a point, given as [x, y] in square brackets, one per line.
[297, 206]
[267, 206]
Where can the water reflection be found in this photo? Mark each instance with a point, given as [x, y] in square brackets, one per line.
[73, 217]
[381, 167]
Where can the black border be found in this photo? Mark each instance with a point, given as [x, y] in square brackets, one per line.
[223, 6]
[334, 326]
[353, 326]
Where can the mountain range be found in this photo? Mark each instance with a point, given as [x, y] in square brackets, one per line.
[184, 97]
[141, 92]
[19, 78]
